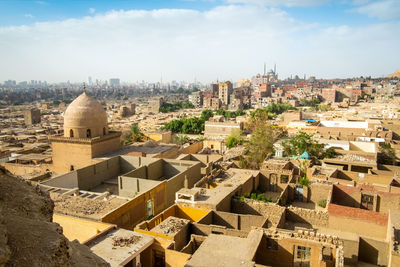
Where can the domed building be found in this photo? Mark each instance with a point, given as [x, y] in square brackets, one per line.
[86, 135]
[85, 118]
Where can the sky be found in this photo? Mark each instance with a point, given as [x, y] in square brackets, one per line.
[201, 40]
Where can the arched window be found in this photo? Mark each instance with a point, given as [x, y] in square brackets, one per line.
[104, 130]
[71, 133]
[88, 133]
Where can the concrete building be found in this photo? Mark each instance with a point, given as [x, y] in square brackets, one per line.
[114, 82]
[216, 129]
[155, 104]
[133, 188]
[86, 135]
[212, 103]
[127, 110]
[214, 89]
[196, 99]
[329, 95]
[265, 90]
[224, 92]
[32, 116]
[218, 126]
[159, 136]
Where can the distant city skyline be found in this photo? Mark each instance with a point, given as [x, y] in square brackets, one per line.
[177, 40]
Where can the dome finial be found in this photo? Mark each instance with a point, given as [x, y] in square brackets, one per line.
[84, 87]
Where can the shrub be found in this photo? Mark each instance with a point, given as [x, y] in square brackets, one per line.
[322, 203]
[304, 181]
[261, 197]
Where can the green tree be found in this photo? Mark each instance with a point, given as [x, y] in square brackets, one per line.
[126, 137]
[270, 112]
[189, 125]
[137, 135]
[229, 114]
[182, 139]
[387, 154]
[171, 107]
[56, 103]
[233, 139]
[310, 103]
[261, 144]
[206, 114]
[260, 115]
[304, 142]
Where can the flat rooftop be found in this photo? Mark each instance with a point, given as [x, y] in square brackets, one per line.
[230, 180]
[148, 149]
[84, 207]
[118, 247]
[223, 250]
[171, 225]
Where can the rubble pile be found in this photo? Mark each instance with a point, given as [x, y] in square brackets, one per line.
[350, 157]
[172, 225]
[65, 204]
[119, 241]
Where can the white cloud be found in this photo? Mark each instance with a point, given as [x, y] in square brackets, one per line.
[384, 9]
[360, 2]
[92, 10]
[29, 16]
[287, 3]
[228, 42]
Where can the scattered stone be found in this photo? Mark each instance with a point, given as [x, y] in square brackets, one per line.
[119, 241]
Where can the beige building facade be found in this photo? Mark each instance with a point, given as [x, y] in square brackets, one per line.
[86, 135]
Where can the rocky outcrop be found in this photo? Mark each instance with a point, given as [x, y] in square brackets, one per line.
[28, 237]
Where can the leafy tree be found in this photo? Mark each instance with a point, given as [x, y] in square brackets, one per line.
[189, 125]
[270, 112]
[206, 114]
[330, 153]
[230, 114]
[185, 126]
[261, 115]
[56, 103]
[182, 139]
[304, 142]
[261, 144]
[171, 107]
[301, 143]
[387, 154]
[137, 135]
[310, 103]
[233, 139]
[322, 107]
[304, 181]
[279, 108]
[126, 137]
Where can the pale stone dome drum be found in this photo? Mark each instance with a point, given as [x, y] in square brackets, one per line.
[85, 117]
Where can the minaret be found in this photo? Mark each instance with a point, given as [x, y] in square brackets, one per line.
[275, 69]
[265, 68]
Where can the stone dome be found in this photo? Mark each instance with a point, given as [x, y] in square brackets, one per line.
[85, 117]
